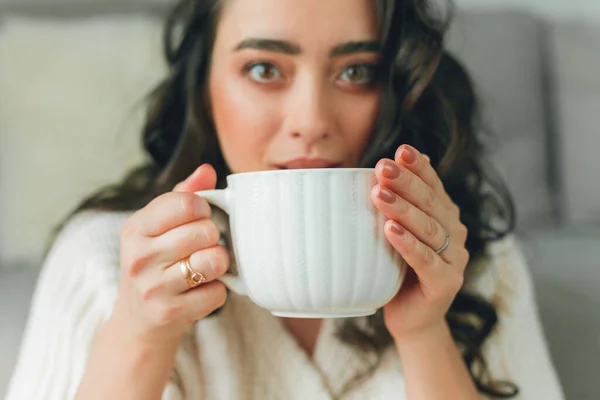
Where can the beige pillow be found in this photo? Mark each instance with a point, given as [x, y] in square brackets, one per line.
[70, 116]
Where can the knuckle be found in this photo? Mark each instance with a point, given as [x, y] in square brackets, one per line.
[151, 292]
[463, 232]
[220, 296]
[138, 262]
[431, 230]
[215, 296]
[430, 201]
[211, 232]
[203, 206]
[429, 255]
[165, 199]
[466, 257]
[129, 227]
[456, 283]
[188, 206]
[403, 209]
[406, 181]
[455, 209]
[421, 164]
[412, 244]
[220, 260]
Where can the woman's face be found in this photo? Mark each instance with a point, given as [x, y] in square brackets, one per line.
[292, 83]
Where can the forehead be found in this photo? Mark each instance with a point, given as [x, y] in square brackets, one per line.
[310, 23]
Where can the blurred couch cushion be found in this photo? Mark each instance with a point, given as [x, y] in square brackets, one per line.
[502, 51]
[575, 51]
[71, 94]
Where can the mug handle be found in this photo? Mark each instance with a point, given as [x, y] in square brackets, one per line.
[221, 199]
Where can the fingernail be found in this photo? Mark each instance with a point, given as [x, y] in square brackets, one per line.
[390, 170]
[408, 155]
[386, 195]
[396, 229]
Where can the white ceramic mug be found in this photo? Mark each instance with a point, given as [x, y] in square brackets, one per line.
[309, 242]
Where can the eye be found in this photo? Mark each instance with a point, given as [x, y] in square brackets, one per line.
[263, 72]
[362, 74]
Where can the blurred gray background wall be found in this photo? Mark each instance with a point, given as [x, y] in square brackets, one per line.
[73, 73]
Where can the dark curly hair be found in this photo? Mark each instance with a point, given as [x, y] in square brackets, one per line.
[427, 101]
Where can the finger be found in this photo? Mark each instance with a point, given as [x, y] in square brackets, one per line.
[425, 228]
[179, 187]
[202, 300]
[184, 240]
[166, 212]
[409, 186]
[211, 263]
[429, 267]
[192, 305]
[203, 178]
[412, 159]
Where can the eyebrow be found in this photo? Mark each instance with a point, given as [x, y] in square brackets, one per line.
[279, 46]
[356, 47]
[286, 47]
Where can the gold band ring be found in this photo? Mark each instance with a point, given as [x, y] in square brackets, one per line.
[192, 277]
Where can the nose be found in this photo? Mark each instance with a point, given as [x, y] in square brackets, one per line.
[309, 117]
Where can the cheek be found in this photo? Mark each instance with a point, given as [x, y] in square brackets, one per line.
[358, 117]
[244, 124]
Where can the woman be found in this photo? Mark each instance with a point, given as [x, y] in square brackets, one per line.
[269, 84]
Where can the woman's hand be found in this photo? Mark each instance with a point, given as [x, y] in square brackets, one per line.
[420, 215]
[155, 301]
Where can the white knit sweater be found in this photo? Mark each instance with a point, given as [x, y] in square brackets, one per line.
[245, 352]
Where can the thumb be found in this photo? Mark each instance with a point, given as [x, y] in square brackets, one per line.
[203, 178]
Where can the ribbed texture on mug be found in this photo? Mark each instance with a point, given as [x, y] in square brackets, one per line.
[310, 241]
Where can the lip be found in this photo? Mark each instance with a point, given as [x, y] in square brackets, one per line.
[306, 163]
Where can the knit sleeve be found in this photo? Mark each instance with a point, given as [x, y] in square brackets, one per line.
[74, 296]
[517, 350]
